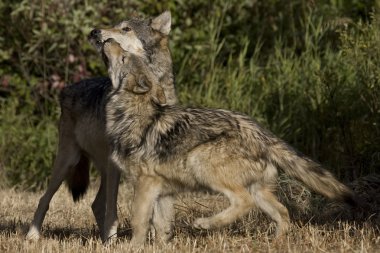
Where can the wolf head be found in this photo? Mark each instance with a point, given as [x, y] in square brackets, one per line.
[145, 38]
[132, 75]
[137, 36]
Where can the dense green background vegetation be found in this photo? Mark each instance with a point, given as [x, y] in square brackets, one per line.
[308, 70]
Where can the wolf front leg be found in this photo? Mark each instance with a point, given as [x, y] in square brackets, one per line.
[112, 188]
[163, 218]
[148, 190]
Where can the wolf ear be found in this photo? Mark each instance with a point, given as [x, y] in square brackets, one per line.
[142, 85]
[162, 23]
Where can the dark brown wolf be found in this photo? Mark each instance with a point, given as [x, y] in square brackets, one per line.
[82, 135]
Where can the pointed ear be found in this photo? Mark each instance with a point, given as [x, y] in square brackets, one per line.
[142, 85]
[162, 23]
[160, 97]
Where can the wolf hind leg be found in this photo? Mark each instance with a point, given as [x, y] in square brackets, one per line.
[68, 156]
[214, 167]
[98, 206]
[240, 204]
[268, 203]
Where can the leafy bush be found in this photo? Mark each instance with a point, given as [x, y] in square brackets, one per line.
[307, 70]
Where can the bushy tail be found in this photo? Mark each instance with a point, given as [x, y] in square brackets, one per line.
[78, 180]
[310, 173]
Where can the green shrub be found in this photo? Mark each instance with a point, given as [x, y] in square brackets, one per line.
[307, 70]
[27, 143]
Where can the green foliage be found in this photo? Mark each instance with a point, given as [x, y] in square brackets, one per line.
[27, 142]
[307, 70]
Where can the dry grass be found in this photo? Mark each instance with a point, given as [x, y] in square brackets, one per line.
[70, 227]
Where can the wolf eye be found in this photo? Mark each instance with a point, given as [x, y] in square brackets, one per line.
[126, 29]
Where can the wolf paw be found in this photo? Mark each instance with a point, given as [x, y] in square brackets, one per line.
[202, 223]
[109, 240]
[282, 229]
[110, 234]
[137, 244]
[33, 234]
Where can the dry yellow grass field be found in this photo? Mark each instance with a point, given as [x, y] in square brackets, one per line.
[70, 227]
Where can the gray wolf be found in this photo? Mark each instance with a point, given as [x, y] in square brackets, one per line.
[82, 135]
[169, 148]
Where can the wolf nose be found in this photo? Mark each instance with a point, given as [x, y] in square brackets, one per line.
[95, 33]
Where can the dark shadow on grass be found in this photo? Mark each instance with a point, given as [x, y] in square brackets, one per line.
[124, 233]
[11, 227]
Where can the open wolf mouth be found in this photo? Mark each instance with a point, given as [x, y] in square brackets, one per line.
[100, 45]
[95, 38]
